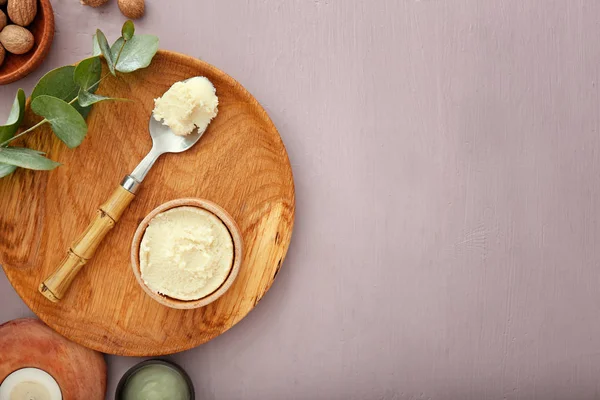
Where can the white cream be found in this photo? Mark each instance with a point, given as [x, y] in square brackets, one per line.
[186, 253]
[30, 384]
[187, 105]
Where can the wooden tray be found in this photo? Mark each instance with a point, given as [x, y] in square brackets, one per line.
[240, 164]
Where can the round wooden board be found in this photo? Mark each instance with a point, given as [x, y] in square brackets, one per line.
[28, 343]
[240, 164]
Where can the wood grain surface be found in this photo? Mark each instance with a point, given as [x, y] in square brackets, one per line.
[55, 286]
[240, 164]
[18, 66]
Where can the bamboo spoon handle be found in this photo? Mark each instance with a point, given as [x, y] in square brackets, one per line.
[56, 285]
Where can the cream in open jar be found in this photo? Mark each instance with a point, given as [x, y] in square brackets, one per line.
[186, 253]
[30, 384]
[156, 380]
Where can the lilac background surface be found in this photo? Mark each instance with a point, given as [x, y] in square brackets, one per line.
[446, 158]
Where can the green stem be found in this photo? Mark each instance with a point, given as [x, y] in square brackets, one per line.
[92, 86]
[5, 143]
[120, 51]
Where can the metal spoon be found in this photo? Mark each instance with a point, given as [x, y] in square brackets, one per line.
[163, 141]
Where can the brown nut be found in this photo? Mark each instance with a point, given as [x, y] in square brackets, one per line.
[94, 3]
[3, 20]
[2, 55]
[3, 2]
[133, 9]
[22, 12]
[16, 39]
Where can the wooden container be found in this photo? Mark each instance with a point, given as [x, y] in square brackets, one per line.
[237, 252]
[18, 66]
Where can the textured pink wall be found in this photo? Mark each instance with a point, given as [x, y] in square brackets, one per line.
[446, 157]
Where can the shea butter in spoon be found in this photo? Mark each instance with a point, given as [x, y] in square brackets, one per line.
[186, 105]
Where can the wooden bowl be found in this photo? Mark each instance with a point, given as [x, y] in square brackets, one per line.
[18, 66]
[234, 231]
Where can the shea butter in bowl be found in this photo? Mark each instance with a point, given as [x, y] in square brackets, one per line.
[186, 253]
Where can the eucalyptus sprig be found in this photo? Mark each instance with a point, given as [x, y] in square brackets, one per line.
[65, 96]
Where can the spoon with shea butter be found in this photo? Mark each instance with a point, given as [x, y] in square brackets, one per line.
[185, 110]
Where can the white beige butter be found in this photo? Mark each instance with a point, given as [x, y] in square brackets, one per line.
[186, 253]
[187, 105]
[30, 390]
[30, 384]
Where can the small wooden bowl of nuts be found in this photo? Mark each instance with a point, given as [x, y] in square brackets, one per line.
[26, 33]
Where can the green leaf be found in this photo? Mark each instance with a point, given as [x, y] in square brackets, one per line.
[60, 83]
[128, 30]
[66, 122]
[87, 98]
[6, 170]
[15, 117]
[26, 158]
[116, 47]
[57, 83]
[95, 46]
[137, 52]
[105, 49]
[88, 73]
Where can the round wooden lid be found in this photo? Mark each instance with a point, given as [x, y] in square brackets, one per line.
[28, 343]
